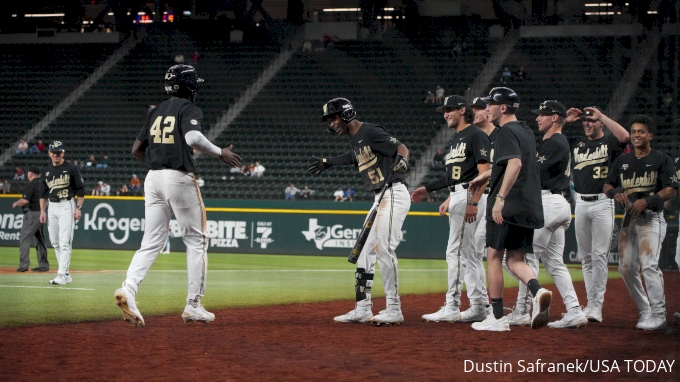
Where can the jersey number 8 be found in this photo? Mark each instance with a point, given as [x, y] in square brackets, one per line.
[455, 172]
[165, 136]
[600, 172]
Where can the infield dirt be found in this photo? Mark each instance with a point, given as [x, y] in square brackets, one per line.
[301, 342]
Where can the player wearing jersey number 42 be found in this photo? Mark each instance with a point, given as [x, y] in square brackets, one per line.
[641, 182]
[165, 146]
[382, 161]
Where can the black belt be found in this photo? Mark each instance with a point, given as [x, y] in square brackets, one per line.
[391, 184]
[57, 200]
[466, 186]
[590, 198]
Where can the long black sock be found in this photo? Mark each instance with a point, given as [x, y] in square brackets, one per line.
[497, 305]
[533, 286]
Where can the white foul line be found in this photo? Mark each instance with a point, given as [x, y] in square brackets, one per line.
[39, 287]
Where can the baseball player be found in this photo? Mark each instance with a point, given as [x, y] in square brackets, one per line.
[641, 182]
[32, 227]
[380, 158]
[60, 183]
[676, 161]
[468, 156]
[591, 157]
[554, 166]
[510, 226]
[165, 146]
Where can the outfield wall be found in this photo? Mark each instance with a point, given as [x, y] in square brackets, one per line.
[266, 226]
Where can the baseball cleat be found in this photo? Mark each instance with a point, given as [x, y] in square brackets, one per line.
[68, 278]
[476, 313]
[594, 312]
[388, 317]
[492, 324]
[361, 313]
[519, 317]
[652, 321]
[59, 280]
[126, 302]
[446, 313]
[574, 318]
[540, 313]
[195, 312]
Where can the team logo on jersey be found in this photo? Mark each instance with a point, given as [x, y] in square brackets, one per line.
[625, 166]
[600, 155]
[482, 151]
[47, 173]
[677, 159]
[541, 158]
[193, 122]
[393, 140]
[581, 144]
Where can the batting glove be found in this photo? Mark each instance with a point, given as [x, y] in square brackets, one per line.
[319, 165]
[400, 165]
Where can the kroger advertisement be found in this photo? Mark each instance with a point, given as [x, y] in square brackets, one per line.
[276, 227]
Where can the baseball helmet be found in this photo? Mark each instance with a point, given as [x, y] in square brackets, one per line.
[181, 79]
[340, 106]
[502, 96]
[55, 146]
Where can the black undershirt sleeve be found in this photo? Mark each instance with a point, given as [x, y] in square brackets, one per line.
[443, 182]
[340, 160]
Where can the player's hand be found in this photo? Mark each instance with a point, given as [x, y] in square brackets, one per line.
[400, 165]
[470, 213]
[475, 184]
[419, 194]
[14, 205]
[596, 114]
[497, 211]
[444, 207]
[77, 214]
[229, 157]
[638, 207]
[43, 217]
[622, 199]
[320, 165]
[573, 114]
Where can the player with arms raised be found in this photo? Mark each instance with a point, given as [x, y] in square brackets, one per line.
[380, 158]
[642, 181]
[468, 156]
[591, 157]
[165, 146]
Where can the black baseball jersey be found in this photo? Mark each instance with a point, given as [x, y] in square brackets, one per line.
[468, 147]
[61, 182]
[374, 151]
[676, 161]
[554, 164]
[591, 160]
[642, 177]
[523, 205]
[32, 194]
[164, 130]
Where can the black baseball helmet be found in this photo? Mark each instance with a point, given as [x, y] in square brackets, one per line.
[181, 80]
[502, 96]
[55, 146]
[340, 106]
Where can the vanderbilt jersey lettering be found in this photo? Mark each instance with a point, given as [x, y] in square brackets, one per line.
[553, 163]
[467, 148]
[164, 130]
[642, 177]
[591, 160]
[60, 182]
[374, 152]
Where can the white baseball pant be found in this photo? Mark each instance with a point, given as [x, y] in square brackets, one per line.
[462, 256]
[167, 191]
[383, 240]
[548, 246]
[594, 226]
[60, 225]
[639, 250]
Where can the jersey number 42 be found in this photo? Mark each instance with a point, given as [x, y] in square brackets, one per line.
[165, 136]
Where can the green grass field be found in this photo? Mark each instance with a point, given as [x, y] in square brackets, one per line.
[234, 280]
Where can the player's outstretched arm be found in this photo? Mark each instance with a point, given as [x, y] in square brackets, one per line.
[321, 164]
[619, 131]
[196, 140]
